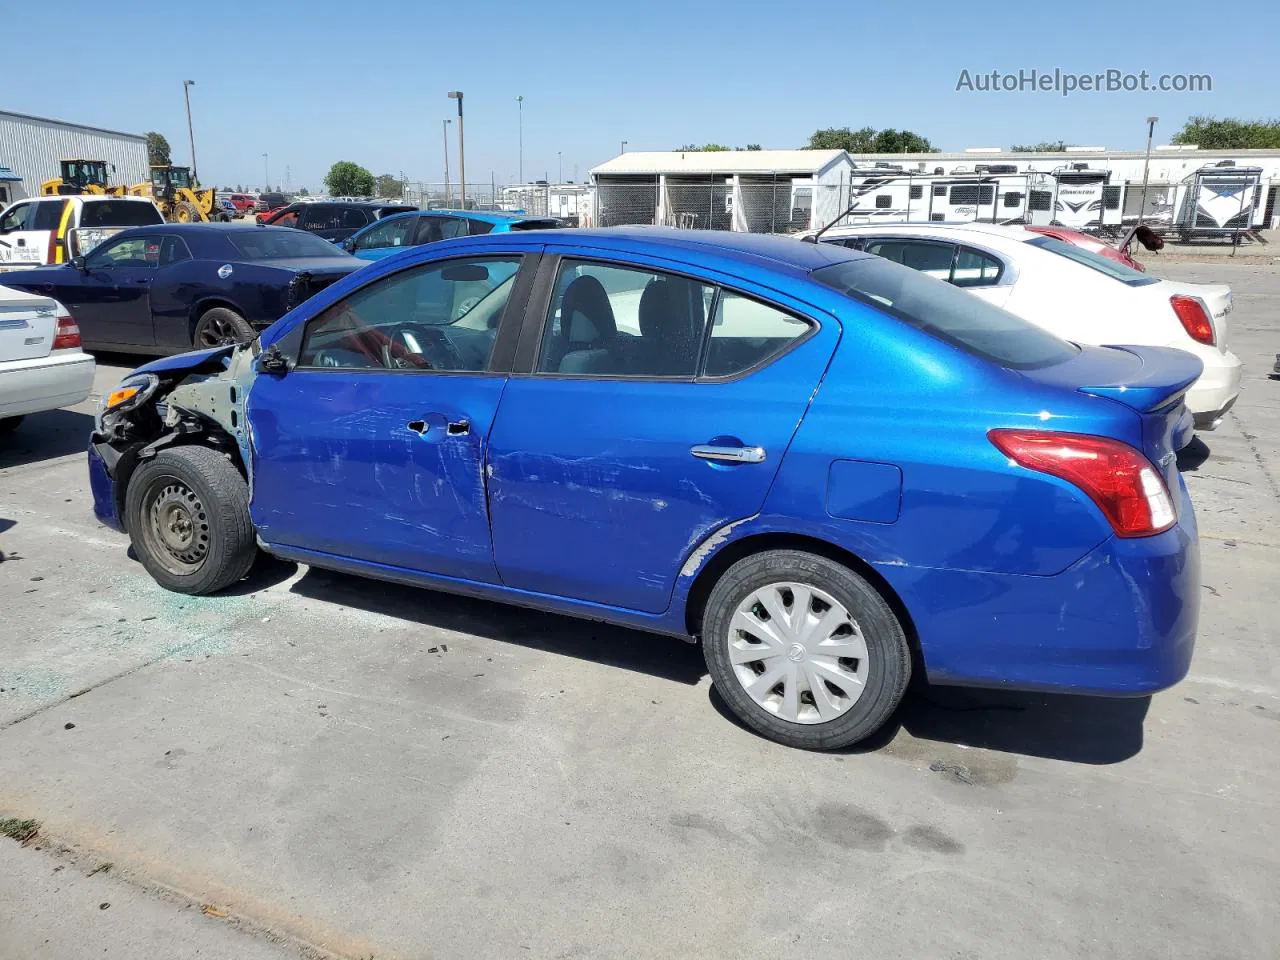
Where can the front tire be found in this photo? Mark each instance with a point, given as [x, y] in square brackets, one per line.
[803, 650]
[185, 212]
[187, 512]
[221, 327]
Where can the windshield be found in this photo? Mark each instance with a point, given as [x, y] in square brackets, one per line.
[1095, 261]
[947, 312]
[267, 244]
[119, 213]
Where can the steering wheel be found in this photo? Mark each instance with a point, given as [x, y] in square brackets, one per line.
[433, 344]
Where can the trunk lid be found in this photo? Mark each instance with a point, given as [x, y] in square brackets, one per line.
[28, 324]
[1150, 381]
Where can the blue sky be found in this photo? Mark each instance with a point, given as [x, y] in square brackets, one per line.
[314, 81]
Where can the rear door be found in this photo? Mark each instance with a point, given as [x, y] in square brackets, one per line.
[652, 409]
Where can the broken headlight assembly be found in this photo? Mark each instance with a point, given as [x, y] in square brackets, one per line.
[129, 394]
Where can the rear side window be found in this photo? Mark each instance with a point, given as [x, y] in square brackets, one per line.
[119, 213]
[479, 227]
[928, 256]
[947, 313]
[746, 333]
[1094, 261]
[48, 214]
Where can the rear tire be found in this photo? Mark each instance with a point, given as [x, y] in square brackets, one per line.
[221, 327]
[187, 513]
[10, 424]
[835, 648]
[184, 212]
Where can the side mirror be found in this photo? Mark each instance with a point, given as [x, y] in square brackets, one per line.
[273, 361]
[79, 264]
[349, 245]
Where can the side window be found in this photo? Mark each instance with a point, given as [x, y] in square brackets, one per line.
[15, 218]
[173, 250]
[289, 219]
[928, 256]
[440, 316]
[353, 218]
[48, 214]
[746, 333]
[124, 253]
[975, 269]
[621, 321]
[393, 233]
[478, 227]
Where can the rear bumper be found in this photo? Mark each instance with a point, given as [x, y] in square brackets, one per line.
[1120, 622]
[47, 383]
[1215, 392]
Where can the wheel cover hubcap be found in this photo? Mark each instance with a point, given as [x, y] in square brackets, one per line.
[798, 653]
[216, 332]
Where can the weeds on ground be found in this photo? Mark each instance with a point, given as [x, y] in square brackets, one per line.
[24, 831]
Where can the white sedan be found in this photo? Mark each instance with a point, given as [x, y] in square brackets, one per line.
[41, 364]
[1072, 292]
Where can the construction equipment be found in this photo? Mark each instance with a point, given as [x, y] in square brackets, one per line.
[170, 187]
[81, 176]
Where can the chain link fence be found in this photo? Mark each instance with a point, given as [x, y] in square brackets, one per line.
[448, 196]
[755, 203]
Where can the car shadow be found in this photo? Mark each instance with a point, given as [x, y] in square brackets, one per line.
[45, 436]
[1193, 455]
[1091, 730]
[668, 658]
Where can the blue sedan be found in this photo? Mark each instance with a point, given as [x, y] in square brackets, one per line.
[392, 234]
[826, 468]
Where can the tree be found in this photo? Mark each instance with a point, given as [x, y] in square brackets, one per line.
[753, 146]
[389, 187]
[1229, 134]
[705, 148]
[1044, 146]
[303, 192]
[157, 149]
[869, 140]
[347, 179]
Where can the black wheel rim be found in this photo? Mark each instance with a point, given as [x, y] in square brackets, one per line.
[216, 332]
[175, 526]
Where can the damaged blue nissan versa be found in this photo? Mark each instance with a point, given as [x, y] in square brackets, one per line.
[826, 468]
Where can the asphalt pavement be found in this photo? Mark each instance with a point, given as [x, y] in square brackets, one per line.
[316, 765]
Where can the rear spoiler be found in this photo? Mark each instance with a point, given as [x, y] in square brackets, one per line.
[1166, 375]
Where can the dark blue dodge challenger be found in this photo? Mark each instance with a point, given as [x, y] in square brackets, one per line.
[170, 287]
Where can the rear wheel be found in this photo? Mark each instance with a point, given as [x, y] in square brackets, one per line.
[221, 327]
[187, 512]
[803, 650]
[9, 424]
[184, 212]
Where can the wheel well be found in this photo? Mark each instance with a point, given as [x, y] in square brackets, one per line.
[747, 546]
[204, 306]
[215, 439]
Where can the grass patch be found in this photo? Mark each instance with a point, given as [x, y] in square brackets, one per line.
[24, 831]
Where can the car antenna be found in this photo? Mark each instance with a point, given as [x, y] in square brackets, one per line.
[814, 237]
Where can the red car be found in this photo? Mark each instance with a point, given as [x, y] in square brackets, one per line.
[1092, 244]
[243, 202]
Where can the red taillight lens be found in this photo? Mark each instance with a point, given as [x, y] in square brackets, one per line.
[67, 336]
[1123, 483]
[1194, 318]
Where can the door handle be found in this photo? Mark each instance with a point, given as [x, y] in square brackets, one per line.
[459, 428]
[22, 242]
[142, 281]
[728, 454]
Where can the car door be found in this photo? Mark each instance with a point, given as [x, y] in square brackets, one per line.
[14, 245]
[110, 298]
[372, 446]
[650, 408]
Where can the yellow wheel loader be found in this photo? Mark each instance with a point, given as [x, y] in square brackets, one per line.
[81, 176]
[170, 187]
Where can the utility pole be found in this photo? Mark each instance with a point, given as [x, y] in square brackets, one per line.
[520, 108]
[560, 161]
[462, 152]
[186, 95]
[624, 146]
[444, 125]
[266, 174]
[1146, 165]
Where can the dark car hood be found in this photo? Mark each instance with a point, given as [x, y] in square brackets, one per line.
[324, 265]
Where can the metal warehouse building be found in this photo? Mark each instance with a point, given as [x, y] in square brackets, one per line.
[30, 148]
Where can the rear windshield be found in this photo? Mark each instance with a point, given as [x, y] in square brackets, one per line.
[119, 213]
[392, 211]
[266, 244]
[535, 225]
[1095, 261]
[947, 312]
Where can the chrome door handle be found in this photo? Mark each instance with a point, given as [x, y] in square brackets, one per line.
[729, 454]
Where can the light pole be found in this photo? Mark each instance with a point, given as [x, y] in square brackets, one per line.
[560, 162]
[266, 174]
[444, 125]
[624, 146]
[1151, 129]
[462, 152]
[186, 95]
[520, 108]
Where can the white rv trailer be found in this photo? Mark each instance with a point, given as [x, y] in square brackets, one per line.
[884, 194]
[1219, 200]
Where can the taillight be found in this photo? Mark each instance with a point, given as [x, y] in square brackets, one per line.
[1124, 484]
[67, 335]
[1194, 318]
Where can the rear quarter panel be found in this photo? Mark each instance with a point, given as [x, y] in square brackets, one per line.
[181, 294]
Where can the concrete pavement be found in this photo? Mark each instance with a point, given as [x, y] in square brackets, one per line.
[355, 769]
